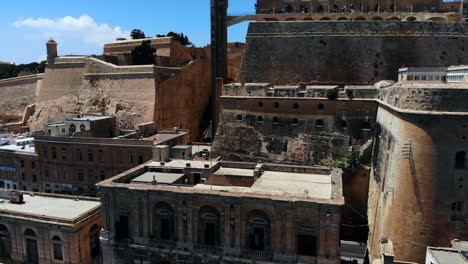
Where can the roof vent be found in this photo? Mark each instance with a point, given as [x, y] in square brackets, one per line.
[187, 165]
[162, 163]
[207, 166]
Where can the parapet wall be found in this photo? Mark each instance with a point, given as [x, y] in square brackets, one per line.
[17, 93]
[348, 51]
[437, 97]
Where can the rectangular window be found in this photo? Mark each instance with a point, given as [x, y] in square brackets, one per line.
[140, 158]
[54, 153]
[33, 164]
[79, 155]
[58, 254]
[306, 245]
[91, 174]
[64, 154]
[46, 172]
[102, 174]
[417, 78]
[456, 211]
[65, 174]
[130, 158]
[56, 173]
[34, 178]
[460, 160]
[44, 153]
[80, 175]
[90, 155]
[101, 155]
[119, 156]
[22, 163]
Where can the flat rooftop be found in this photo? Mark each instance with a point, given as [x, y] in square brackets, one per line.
[159, 177]
[26, 148]
[49, 206]
[447, 256]
[318, 186]
[271, 181]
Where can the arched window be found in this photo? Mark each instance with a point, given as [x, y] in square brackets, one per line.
[94, 244]
[275, 105]
[209, 226]
[259, 231]
[58, 248]
[239, 117]
[5, 242]
[82, 127]
[296, 106]
[259, 119]
[275, 120]
[163, 221]
[319, 123]
[32, 250]
[319, 8]
[72, 128]
[460, 160]
[320, 107]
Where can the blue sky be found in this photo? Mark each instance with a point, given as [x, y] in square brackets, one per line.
[81, 27]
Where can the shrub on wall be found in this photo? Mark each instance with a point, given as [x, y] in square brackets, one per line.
[332, 94]
[350, 93]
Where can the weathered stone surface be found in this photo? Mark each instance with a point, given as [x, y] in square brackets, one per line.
[348, 51]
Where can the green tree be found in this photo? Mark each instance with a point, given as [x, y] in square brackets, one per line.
[137, 34]
[181, 38]
[144, 54]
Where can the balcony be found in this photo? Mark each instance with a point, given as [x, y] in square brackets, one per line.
[163, 244]
[215, 250]
[257, 255]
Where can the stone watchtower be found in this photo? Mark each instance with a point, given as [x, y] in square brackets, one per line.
[51, 51]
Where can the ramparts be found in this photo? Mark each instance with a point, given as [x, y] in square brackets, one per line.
[348, 51]
[17, 93]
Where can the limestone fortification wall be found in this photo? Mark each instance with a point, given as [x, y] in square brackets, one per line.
[182, 96]
[348, 51]
[17, 93]
[61, 78]
[415, 183]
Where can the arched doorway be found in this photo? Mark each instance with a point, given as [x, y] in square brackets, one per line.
[32, 250]
[259, 231]
[335, 8]
[164, 222]
[5, 242]
[209, 226]
[57, 248]
[288, 9]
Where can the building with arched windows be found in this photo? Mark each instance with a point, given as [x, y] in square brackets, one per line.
[37, 228]
[194, 211]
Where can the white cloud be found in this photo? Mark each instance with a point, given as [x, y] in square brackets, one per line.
[83, 27]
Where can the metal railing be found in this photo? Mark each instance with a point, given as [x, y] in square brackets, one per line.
[163, 244]
[216, 250]
[257, 255]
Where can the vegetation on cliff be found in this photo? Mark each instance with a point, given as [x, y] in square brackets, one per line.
[12, 70]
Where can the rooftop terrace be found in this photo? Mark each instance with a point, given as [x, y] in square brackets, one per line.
[273, 181]
[47, 207]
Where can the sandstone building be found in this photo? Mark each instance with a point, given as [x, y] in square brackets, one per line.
[70, 157]
[39, 228]
[200, 211]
